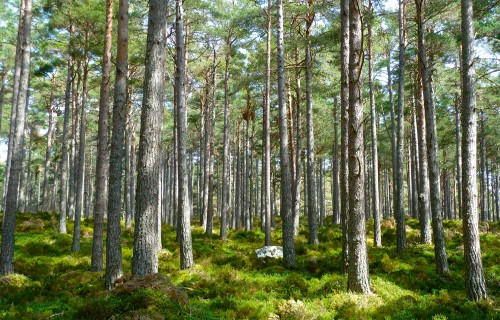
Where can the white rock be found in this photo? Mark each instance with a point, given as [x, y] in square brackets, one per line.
[270, 252]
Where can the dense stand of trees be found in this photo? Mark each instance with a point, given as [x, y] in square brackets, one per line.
[214, 89]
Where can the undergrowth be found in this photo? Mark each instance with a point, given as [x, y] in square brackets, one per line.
[229, 282]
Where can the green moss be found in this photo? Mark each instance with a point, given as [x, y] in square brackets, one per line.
[229, 282]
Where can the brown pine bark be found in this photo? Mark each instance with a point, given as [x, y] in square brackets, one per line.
[102, 159]
[113, 241]
[474, 276]
[145, 255]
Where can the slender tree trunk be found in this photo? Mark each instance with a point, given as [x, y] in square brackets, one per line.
[344, 114]
[335, 166]
[482, 179]
[399, 213]
[474, 276]
[423, 195]
[377, 237]
[15, 95]
[80, 168]
[17, 138]
[311, 164]
[183, 210]
[358, 278]
[102, 160]
[432, 149]
[286, 190]
[414, 153]
[145, 255]
[266, 152]
[226, 183]
[48, 151]
[113, 241]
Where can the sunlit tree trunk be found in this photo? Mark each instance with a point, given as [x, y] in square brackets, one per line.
[102, 159]
[286, 190]
[145, 255]
[358, 278]
[474, 276]
[344, 119]
[113, 241]
[17, 145]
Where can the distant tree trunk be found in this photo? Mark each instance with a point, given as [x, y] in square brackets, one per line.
[344, 114]
[80, 168]
[423, 196]
[113, 241]
[15, 96]
[311, 162]
[358, 278]
[482, 179]
[183, 210]
[102, 159]
[2, 94]
[266, 145]
[399, 213]
[286, 190]
[432, 148]
[48, 149]
[145, 255]
[414, 154]
[474, 276]
[226, 183]
[17, 146]
[74, 134]
[393, 134]
[335, 166]
[377, 238]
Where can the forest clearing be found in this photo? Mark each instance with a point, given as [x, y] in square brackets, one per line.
[250, 159]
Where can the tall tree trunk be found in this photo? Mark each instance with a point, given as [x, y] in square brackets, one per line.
[432, 148]
[423, 189]
[358, 278]
[414, 153]
[474, 276]
[226, 183]
[102, 160]
[344, 114]
[377, 238]
[113, 241]
[458, 155]
[266, 164]
[186, 250]
[399, 213]
[48, 151]
[298, 148]
[335, 166]
[17, 138]
[80, 168]
[311, 164]
[145, 255]
[286, 190]
[15, 95]
[482, 179]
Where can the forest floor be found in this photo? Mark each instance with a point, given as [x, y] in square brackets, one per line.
[229, 282]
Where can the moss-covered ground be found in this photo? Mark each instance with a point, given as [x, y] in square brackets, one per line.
[229, 282]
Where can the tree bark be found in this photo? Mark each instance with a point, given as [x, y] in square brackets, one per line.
[102, 159]
[377, 237]
[80, 167]
[17, 138]
[113, 241]
[145, 255]
[358, 278]
[423, 195]
[266, 145]
[344, 114]
[432, 148]
[311, 161]
[186, 251]
[399, 213]
[474, 276]
[286, 190]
